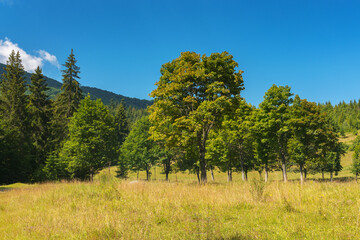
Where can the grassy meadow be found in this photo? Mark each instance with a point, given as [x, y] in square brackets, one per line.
[110, 208]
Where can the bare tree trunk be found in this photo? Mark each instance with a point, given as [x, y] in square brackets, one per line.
[356, 176]
[243, 170]
[323, 176]
[305, 173]
[331, 176]
[246, 176]
[266, 173]
[155, 173]
[212, 173]
[147, 174]
[167, 176]
[229, 179]
[198, 175]
[137, 175]
[283, 166]
[203, 168]
[301, 174]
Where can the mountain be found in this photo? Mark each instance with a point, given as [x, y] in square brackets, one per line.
[105, 96]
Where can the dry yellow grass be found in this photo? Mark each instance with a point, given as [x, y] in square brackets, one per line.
[110, 208]
[113, 209]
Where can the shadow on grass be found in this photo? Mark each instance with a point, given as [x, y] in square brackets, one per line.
[4, 189]
[335, 179]
[236, 237]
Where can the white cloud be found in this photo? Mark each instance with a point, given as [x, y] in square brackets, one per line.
[48, 57]
[29, 61]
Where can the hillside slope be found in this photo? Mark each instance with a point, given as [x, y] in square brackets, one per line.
[106, 96]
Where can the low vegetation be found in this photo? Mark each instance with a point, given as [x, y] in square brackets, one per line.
[109, 208]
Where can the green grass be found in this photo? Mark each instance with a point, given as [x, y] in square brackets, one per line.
[110, 208]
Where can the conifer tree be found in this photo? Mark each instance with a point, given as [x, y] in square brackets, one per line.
[16, 155]
[12, 93]
[67, 101]
[40, 113]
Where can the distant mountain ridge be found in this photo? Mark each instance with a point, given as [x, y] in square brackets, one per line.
[95, 93]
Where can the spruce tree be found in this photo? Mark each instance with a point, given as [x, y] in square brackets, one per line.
[12, 93]
[16, 147]
[40, 113]
[67, 101]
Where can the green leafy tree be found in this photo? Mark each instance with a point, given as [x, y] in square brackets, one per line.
[355, 168]
[40, 114]
[231, 145]
[264, 152]
[192, 96]
[305, 123]
[138, 152]
[92, 140]
[274, 116]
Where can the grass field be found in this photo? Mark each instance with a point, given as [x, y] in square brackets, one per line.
[110, 208]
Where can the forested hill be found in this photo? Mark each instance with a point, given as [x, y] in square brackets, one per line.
[106, 96]
[345, 115]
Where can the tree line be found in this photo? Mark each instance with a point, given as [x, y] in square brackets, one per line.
[199, 122]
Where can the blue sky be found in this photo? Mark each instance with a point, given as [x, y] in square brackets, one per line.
[312, 46]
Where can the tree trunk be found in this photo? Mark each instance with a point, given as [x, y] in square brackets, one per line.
[229, 179]
[301, 174]
[147, 174]
[242, 170]
[246, 176]
[331, 176]
[266, 173]
[137, 175]
[212, 173]
[323, 176]
[203, 167]
[283, 167]
[356, 176]
[305, 173]
[198, 175]
[167, 169]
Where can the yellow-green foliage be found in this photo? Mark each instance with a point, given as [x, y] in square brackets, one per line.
[112, 209]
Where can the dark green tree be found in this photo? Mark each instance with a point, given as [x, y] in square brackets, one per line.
[67, 102]
[14, 120]
[13, 100]
[40, 115]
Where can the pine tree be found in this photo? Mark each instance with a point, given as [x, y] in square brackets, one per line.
[14, 135]
[12, 93]
[67, 101]
[121, 124]
[122, 130]
[40, 113]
